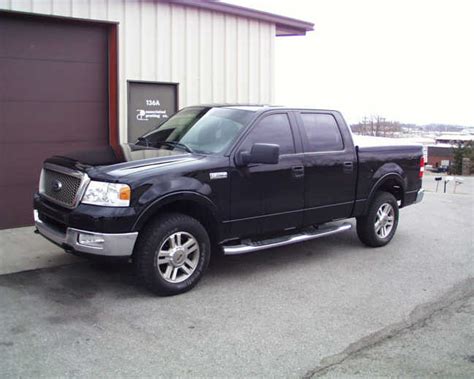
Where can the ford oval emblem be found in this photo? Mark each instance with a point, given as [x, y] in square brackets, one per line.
[56, 185]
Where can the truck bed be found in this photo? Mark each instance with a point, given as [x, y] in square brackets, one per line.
[370, 142]
[379, 156]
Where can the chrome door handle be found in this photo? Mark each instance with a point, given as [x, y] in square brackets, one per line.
[348, 166]
[298, 171]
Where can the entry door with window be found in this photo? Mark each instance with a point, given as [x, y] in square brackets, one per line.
[268, 197]
[330, 168]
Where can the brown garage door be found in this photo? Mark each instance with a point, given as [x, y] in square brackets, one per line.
[53, 99]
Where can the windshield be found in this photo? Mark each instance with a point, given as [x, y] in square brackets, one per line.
[200, 130]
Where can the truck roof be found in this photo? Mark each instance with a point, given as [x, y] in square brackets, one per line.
[260, 107]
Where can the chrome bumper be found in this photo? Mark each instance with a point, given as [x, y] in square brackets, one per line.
[111, 244]
[419, 196]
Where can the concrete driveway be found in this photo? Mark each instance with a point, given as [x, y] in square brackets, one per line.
[287, 312]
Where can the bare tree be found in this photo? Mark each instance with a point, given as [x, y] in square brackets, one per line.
[377, 126]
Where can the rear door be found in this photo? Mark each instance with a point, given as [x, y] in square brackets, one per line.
[330, 166]
[269, 197]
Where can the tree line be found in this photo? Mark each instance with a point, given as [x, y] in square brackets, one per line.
[377, 126]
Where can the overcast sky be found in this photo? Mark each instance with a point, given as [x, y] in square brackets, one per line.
[406, 60]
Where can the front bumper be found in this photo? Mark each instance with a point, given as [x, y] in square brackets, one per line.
[419, 196]
[116, 244]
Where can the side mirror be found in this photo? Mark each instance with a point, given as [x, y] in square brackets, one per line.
[260, 153]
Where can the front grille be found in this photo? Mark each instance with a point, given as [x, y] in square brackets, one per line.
[60, 187]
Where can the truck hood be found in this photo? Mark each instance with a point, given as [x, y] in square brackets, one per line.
[121, 160]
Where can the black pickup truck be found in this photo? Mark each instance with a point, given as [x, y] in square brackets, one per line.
[231, 179]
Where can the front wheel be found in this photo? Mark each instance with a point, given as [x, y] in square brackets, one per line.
[172, 254]
[378, 226]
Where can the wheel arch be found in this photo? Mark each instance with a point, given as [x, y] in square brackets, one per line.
[393, 183]
[190, 203]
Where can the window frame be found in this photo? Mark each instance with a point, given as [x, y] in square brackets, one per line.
[306, 145]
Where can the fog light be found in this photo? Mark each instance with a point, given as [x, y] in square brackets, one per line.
[90, 240]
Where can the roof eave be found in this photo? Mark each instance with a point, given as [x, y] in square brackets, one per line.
[284, 26]
[285, 31]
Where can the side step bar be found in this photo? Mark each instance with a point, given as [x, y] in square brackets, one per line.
[248, 246]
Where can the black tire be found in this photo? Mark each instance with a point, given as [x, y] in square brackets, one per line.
[366, 228]
[151, 240]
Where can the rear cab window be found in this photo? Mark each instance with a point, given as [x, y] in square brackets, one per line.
[320, 132]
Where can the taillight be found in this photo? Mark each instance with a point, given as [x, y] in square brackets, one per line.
[422, 167]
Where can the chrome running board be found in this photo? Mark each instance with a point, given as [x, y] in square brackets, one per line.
[248, 246]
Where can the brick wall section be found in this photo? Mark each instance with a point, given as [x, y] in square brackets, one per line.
[436, 154]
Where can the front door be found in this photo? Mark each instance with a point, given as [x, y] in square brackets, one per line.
[268, 197]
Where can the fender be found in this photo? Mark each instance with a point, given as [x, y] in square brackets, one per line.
[389, 171]
[192, 196]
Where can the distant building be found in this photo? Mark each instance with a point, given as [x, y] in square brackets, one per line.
[440, 155]
[454, 139]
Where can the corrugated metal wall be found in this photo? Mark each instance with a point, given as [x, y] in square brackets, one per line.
[215, 57]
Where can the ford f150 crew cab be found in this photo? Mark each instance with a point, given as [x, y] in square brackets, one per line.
[231, 179]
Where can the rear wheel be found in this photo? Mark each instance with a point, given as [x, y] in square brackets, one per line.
[379, 225]
[172, 254]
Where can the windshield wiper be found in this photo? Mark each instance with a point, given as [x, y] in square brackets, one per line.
[180, 145]
[177, 144]
[143, 139]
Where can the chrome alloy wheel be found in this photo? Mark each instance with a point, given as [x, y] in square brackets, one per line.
[178, 257]
[384, 220]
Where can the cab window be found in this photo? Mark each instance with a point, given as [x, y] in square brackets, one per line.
[275, 129]
[322, 132]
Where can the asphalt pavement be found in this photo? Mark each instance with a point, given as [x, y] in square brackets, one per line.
[299, 311]
[440, 345]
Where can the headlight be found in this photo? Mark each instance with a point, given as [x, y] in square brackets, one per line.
[41, 182]
[107, 194]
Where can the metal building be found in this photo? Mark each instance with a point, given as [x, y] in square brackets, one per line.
[76, 74]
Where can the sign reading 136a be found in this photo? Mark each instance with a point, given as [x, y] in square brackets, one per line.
[152, 102]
